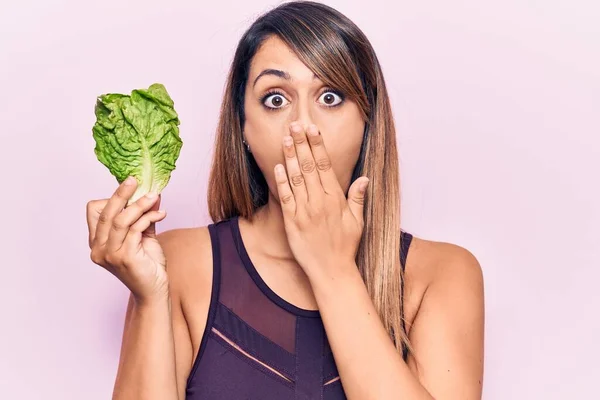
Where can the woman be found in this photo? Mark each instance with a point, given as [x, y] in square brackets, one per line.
[304, 287]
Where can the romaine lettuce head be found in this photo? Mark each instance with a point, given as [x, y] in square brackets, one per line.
[138, 135]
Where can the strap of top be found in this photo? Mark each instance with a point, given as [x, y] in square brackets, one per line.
[404, 246]
[405, 241]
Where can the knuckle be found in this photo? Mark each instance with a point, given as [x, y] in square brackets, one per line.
[324, 164]
[112, 258]
[287, 198]
[298, 138]
[359, 200]
[316, 141]
[96, 256]
[119, 223]
[95, 205]
[143, 202]
[314, 212]
[135, 228]
[89, 207]
[307, 166]
[297, 180]
[120, 193]
[139, 207]
[154, 215]
[103, 218]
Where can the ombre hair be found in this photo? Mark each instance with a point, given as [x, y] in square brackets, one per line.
[341, 56]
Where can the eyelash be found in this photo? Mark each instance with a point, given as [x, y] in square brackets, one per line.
[277, 92]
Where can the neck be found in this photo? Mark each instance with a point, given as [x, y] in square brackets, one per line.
[268, 220]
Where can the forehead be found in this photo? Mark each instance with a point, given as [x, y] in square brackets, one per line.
[275, 54]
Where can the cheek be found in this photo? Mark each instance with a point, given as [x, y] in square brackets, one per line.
[267, 151]
[343, 160]
[265, 139]
[343, 146]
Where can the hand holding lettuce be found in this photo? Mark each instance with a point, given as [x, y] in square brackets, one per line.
[136, 136]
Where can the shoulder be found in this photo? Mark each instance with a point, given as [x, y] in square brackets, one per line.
[185, 239]
[441, 275]
[188, 253]
[434, 264]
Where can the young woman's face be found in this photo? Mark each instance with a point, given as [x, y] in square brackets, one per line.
[276, 99]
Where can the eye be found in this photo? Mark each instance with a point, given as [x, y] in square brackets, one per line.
[330, 98]
[274, 100]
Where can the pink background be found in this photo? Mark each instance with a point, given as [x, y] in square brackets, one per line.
[497, 107]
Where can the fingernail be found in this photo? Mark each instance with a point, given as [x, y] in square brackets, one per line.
[296, 127]
[287, 140]
[151, 195]
[129, 181]
[363, 186]
[312, 130]
[279, 170]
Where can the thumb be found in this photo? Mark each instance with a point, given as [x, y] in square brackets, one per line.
[356, 197]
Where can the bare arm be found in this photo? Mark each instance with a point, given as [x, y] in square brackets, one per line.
[448, 331]
[447, 337]
[157, 351]
[156, 354]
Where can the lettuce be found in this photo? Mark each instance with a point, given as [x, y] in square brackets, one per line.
[138, 135]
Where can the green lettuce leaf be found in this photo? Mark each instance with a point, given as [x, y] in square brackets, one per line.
[138, 135]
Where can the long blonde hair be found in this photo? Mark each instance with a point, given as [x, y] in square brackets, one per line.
[338, 52]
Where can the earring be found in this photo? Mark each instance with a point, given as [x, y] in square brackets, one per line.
[247, 145]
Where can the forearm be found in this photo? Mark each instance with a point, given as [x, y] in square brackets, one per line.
[368, 363]
[147, 363]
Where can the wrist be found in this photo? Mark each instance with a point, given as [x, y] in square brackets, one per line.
[330, 277]
[157, 299]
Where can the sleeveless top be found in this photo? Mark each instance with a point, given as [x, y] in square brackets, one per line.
[256, 345]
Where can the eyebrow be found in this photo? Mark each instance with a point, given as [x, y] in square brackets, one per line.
[275, 72]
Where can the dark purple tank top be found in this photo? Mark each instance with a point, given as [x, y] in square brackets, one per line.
[246, 318]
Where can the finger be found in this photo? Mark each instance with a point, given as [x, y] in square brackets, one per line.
[296, 178]
[122, 223]
[151, 230]
[156, 205]
[286, 196]
[356, 198]
[329, 180]
[93, 210]
[114, 206]
[307, 163]
[145, 226]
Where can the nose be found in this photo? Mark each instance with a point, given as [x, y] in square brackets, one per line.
[301, 113]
